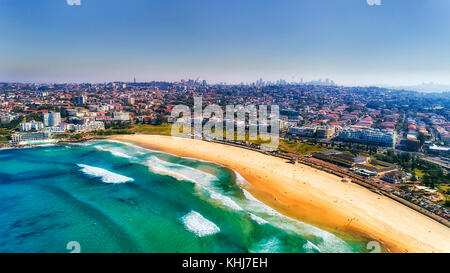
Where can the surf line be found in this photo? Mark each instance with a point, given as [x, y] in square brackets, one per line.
[194, 263]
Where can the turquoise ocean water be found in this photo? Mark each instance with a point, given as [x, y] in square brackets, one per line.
[116, 197]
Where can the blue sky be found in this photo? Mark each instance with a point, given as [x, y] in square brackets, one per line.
[400, 42]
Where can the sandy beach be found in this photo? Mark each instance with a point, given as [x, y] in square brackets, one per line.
[313, 196]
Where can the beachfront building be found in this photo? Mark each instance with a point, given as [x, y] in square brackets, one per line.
[90, 126]
[31, 126]
[336, 157]
[31, 138]
[303, 131]
[85, 127]
[325, 132]
[394, 177]
[368, 136]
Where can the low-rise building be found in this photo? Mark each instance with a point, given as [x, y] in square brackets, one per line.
[325, 132]
[31, 138]
[303, 131]
[368, 136]
[121, 116]
[31, 126]
[336, 157]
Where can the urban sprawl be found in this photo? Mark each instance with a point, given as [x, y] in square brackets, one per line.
[395, 142]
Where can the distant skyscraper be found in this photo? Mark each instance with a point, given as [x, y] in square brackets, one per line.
[80, 100]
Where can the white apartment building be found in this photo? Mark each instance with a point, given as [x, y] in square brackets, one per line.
[52, 119]
[31, 126]
[303, 131]
[369, 136]
[121, 116]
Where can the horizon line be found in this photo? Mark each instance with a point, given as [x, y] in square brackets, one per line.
[383, 86]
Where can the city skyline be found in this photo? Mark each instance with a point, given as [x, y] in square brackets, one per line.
[397, 43]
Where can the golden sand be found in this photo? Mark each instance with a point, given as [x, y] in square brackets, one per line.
[314, 196]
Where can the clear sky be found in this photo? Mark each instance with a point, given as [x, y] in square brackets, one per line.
[400, 42]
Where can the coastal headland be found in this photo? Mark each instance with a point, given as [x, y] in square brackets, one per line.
[314, 196]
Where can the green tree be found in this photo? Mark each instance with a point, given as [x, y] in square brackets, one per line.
[414, 176]
[422, 138]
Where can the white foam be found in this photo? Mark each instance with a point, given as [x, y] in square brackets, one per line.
[249, 196]
[203, 179]
[328, 241]
[240, 181]
[28, 146]
[258, 219]
[227, 201]
[113, 151]
[200, 178]
[180, 172]
[43, 145]
[256, 205]
[18, 148]
[199, 225]
[77, 144]
[138, 149]
[198, 160]
[269, 245]
[311, 247]
[105, 175]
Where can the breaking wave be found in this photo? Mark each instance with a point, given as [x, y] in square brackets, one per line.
[327, 242]
[258, 211]
[203, 179]
[137, 149]
[105, 175]
[269, 245]
[199, 225]
[180, 172]
[311, 247]
[113, 151]
[258, 219]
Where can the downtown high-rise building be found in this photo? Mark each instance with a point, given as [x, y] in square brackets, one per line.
[80, 100]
